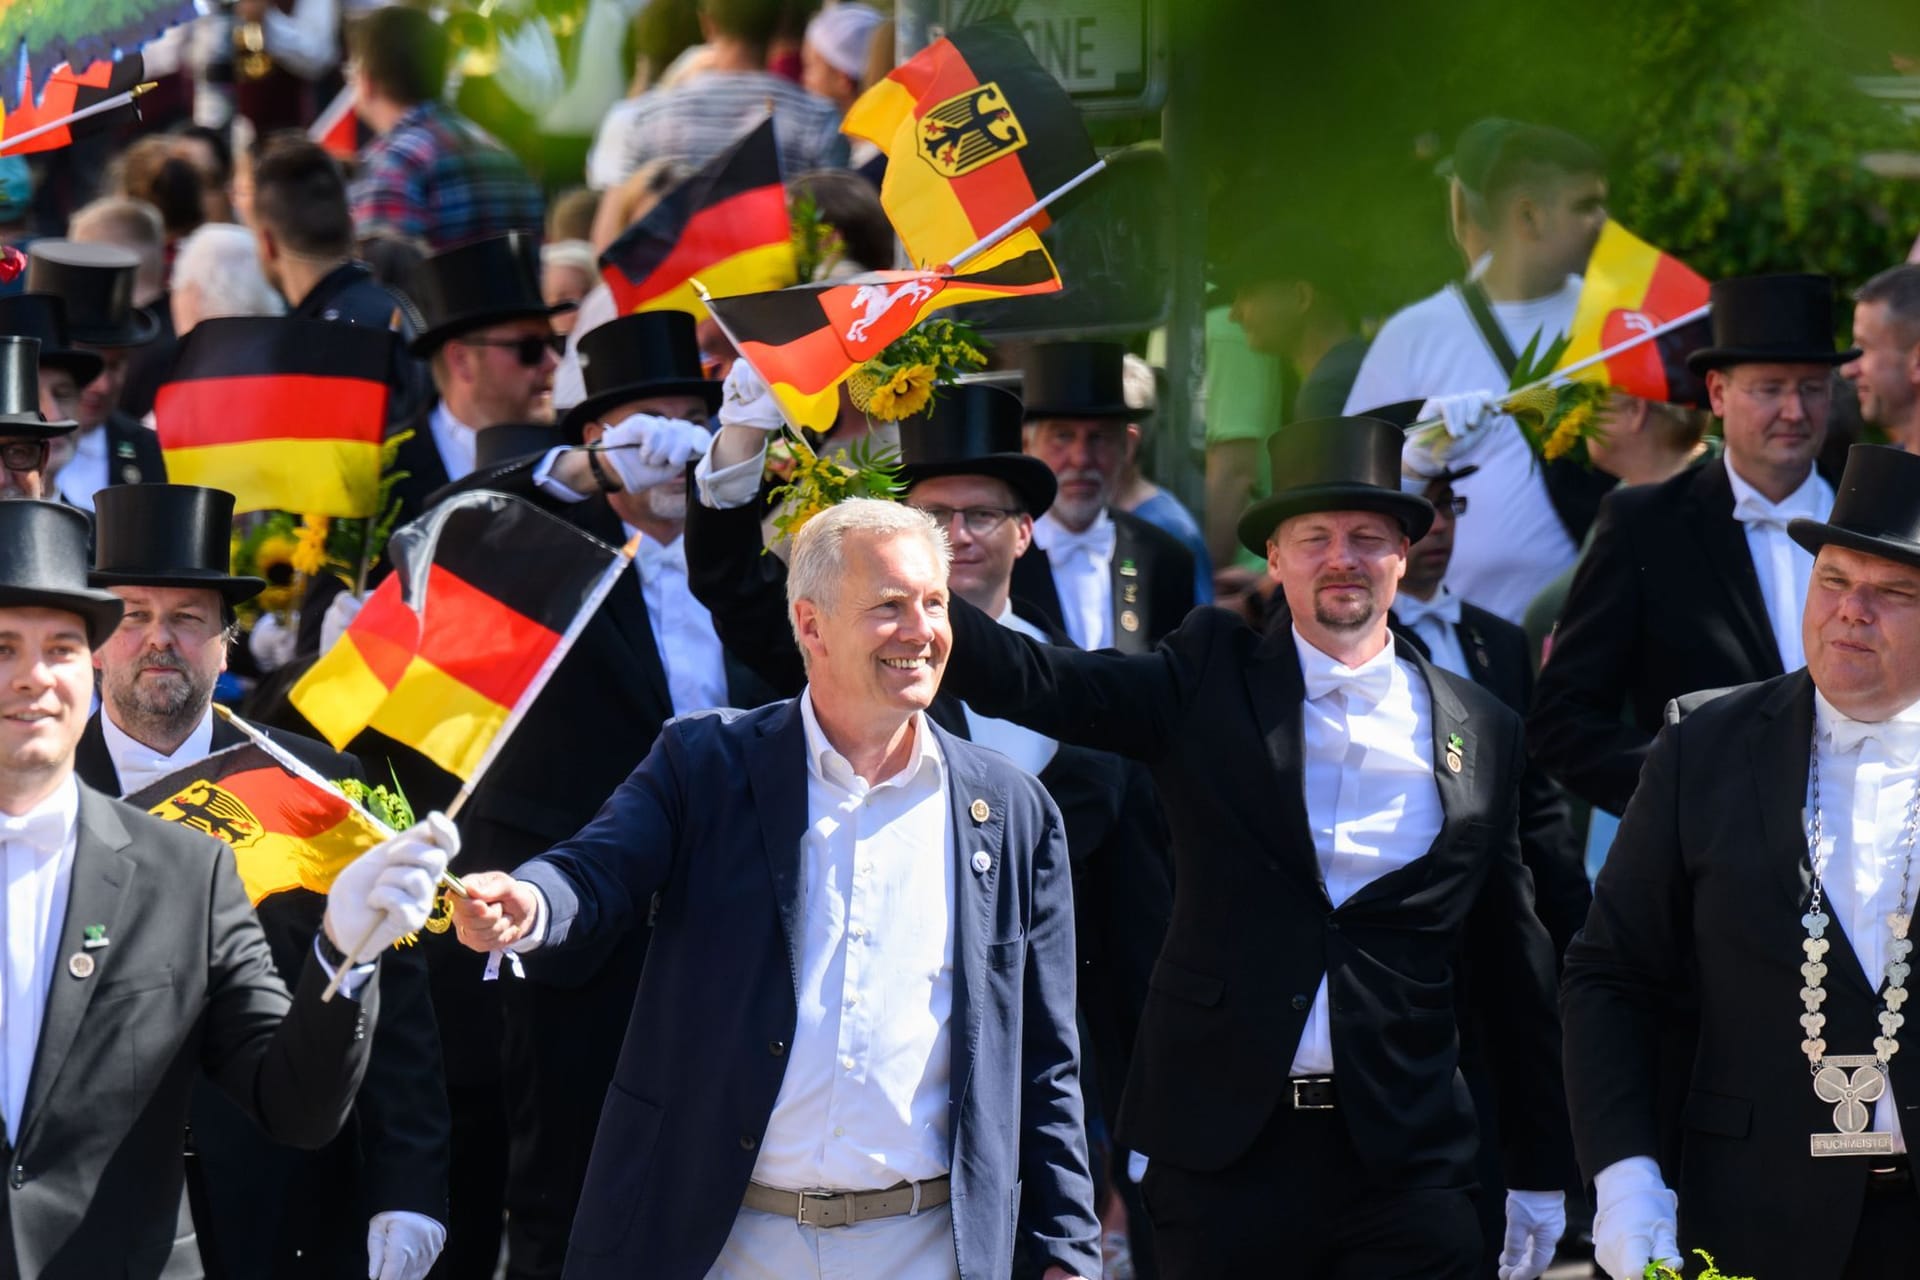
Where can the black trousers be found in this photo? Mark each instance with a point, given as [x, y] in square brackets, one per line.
[1886, 1244]
[1299, 1204]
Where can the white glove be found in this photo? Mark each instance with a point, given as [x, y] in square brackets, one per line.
[745, 401]
[1535, 1222]
[645, 451]
[387, 892]
[402, 1245]
[1465, 413]
[272, 644]
[341, 612]
[1635, 1222]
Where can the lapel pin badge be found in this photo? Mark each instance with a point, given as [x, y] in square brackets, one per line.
[1128, 569]
[94, 936]
[1455, 746]
[979, 811]
[981, 861]
[1129, 620]
[80, 965]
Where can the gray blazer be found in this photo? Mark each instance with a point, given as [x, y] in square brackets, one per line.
[712, 823]
[184, 985]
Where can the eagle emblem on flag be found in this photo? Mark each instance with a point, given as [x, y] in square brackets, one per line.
[970, 130]
[212, 810]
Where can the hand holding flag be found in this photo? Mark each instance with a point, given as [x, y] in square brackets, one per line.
[388, 891]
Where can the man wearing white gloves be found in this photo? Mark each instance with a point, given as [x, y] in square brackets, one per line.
[262, 1208]
[134, 964]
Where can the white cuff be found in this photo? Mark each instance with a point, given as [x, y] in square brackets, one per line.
[536, 934]
[729, 487]
[1627, 1177]
[356, 976]
[543, 478]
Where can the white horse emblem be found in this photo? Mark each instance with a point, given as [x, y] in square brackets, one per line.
[874, 301]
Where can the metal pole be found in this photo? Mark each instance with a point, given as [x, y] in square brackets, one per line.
[1177, 442]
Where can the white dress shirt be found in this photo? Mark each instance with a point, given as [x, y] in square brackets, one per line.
[683, 632]
[863, 1103]
[1784, 567]
[140, 766]
[86, 471]
[1867, 777]
[455, 441]
[1082, 565]
[1436, 622]
[1372, 803]
[38, 855]
[1031, 751]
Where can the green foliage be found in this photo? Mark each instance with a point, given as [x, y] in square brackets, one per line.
[1660, 1271]
[388, 804]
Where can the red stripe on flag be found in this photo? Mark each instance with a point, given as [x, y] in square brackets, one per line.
[712, 235]
[993, 193]
[808, 364]
[1673, 289]
[478, 640]
[386, 633]
[198, 412]
[285, 804]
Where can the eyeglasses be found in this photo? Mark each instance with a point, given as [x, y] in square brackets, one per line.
[530, 351]
[25, 455]
[979, 521]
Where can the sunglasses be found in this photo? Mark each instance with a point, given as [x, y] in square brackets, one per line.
[529, 351]
[25, 455]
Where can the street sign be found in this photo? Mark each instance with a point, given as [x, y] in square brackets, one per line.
[1109, 54]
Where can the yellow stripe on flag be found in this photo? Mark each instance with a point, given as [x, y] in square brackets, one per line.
[1617, 276]
[878, 114]
[317, 477]
[441, 718]
[756, 270]
[339, 694]
[276, 862]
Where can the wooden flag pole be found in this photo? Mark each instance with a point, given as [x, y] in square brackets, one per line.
[588, 608]
[1019, 220]
[116, 101]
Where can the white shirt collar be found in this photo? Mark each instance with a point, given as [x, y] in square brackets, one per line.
[139, 764]
[1898, 735]
[62, 808]
[1057, 540]
[1809, 500]
[1014, 622]
[826, 764]
[654, 557]
[1412, 610]
[1322, 673]
[456, 441]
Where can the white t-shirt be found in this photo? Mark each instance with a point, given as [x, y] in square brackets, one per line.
[1510, 544]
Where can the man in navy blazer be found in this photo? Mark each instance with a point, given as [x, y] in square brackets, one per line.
[854, 1040]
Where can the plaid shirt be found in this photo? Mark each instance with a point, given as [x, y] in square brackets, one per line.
[696, 121]
[438, 178]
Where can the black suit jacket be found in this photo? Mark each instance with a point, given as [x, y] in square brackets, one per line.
[1499, 660]
[133, 451]
[1706, 885]
[1665, 602]
[269, 1205]
[185, 988]
[1152, 583]
[1116, 835]
[1215, 713]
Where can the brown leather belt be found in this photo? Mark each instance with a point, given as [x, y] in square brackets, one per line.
[844, 1208]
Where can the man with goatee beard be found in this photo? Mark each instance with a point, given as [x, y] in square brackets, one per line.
[1344, 819]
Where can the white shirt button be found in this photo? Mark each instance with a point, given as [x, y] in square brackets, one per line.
[847, 1063]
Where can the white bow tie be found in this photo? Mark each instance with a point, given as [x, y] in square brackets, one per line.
[1095, 541]
[1366, 685]
[1444, 607]
[43, 831]
[1899, 739]
[1752, 508]
[654, 557]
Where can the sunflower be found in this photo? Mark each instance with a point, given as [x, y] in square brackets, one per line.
[1572, 428]
[273, 560]
[310, 550]
[904, 393]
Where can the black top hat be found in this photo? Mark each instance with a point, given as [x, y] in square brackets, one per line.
[20, 392]
[974, 430]
[167, 535]
[651, 353]
[484, 283]
[1785, 319]
[43, 564]
[1335, 464]
[44, 316]
[96, 283]
[498, 450]
[1876, 508]
[1075, 380]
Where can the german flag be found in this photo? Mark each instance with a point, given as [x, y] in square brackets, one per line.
[484, 590]
[975, 131]
[805, 341]
[727, 224]
[1630, 288]
[336, 130]
[65, 92]
[285, 414]
[287, 832]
